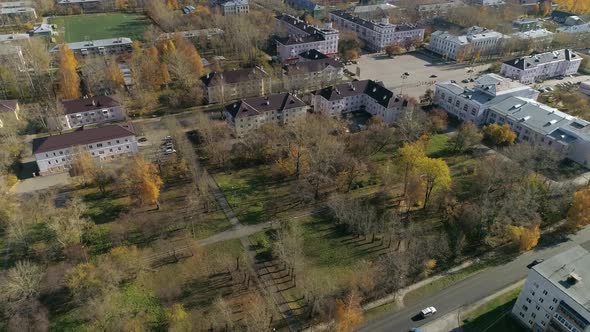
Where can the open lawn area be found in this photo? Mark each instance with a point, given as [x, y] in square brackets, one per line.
[494, 315]
[100, 26]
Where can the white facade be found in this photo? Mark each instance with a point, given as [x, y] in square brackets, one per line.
[471, 104]
[100, 46]
[542, 66]
[354, 96]
[59, 159]
[302, 37]
[473, 40]
[377, 35]
[88, 115]
[234, 7]
[553, 299]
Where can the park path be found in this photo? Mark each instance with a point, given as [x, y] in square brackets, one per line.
[259, 268]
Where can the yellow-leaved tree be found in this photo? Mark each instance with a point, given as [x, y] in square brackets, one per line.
[145, 182]
[69, 81]
[349, 312]
[526, 237]
[189, 52]
[500, 135]
[436, 174]
[579, 212]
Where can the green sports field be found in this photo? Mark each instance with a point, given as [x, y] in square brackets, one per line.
[100, 26]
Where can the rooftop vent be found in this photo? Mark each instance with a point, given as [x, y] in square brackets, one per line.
[551, 122]
[517, 106]
[525, 118]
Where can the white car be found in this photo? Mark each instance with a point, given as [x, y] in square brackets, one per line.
[427, 312]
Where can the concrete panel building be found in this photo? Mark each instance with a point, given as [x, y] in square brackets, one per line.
[308, 75]
[471, 41]
[88, 111]
[300, 36]
[99, 46]
[248, 114]
[54, 154]
[542, 66]
[369, 96]
[236, 84]
[556, 294]
[377, 35]
[232, 7]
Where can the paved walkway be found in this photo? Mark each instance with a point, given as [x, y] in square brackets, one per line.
[258, 268]
[236, 232]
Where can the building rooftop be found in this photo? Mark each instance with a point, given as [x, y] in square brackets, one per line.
[8, 105]
[65, 2]
[363, 9]
[15, 4]
[305, 27]
[16, 10]
[563, 269]
[258, 105]
[311, 66]
[575, 28]
[313, 54]
[230, 3]
[193, 33]
[375, 90]
[542, 58]
[533, 34]
[360, 21]
[42, 28]
[88, 104]
[543, 119]
[233, 76]
[96, 43]
[82, 136]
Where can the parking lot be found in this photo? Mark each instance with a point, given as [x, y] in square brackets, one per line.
[419, 66]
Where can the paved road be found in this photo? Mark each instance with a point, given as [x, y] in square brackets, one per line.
[470, 290]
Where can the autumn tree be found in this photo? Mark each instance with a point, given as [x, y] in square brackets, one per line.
[83, 165]
[525, 237]
[499, 135]
[465, 138]
[394, 49]
[409, 157]
[439, 119]
[579, 212]
[144, 181]
[436, 174]
[22, 282]
[349, 313]
[68, 79]
[68, 223]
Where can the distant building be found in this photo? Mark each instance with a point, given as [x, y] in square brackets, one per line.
[54, 154]
[582, 28]
[560, 16]
[9, 110]
[42, 29]
[525, 24]
[470, 104]
[308, 75]
[231, 7]
[248, 114]
[556, 294]
[471, 41]
[302, 36]
[235, 84]
[99, 46]
[437, 8]
[378, 35]
[539, 36]
[488, 2]
[88, 111]
[375, 11]
[86, 5]
[541, 125]
[368, 95]
[208, 33]
[308, 6]
[541, 66]
[12, 15]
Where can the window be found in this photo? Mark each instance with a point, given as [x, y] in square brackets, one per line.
[541, 300]
[457, 103]
[99, 145]
[554, 300]
[117, 141]
[534, 315]
[545, 292]
[533, 293]
[525, 308]
[551, 307]
[528, 300]
[537, 307]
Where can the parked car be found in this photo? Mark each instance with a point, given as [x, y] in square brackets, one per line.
[427, 312]
[433, 76]
[549, 88]
[142, 139]
[535, 262]
[465, 81]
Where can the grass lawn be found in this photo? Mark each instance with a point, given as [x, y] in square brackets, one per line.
[254, 196]
[100, 26]
[494, 315]
[437, 145]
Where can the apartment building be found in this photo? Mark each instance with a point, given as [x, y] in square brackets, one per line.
[538, 36]
[236, 84]
[437, 8]
[232, 7]
[308, 6]
[207, 33]
[541, 125]
[373, 11]
[249, 114]
[87, 111]
[367, 95]
[471, 41]
[99, 46]
[470, 104]
[377, 35]
[556, 294]
[529, 69]
[54, 154]
[11, 16]
[300, 36]
[488, 2]
[311, 75]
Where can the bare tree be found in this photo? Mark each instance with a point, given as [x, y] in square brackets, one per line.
[22, 282]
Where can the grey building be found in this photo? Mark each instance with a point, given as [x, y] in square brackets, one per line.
[300, 36]
[469, 42]
[542, 66]
[88, 111]
[231, 7]
[99, 46]
[235, 84]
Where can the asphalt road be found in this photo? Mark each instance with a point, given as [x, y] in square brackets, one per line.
[471, 289]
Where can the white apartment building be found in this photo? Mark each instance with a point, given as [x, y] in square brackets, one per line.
[470, 104]
[541, 125]
[367, 95]
[542, 66]
[556, 294]
[308, 75]
[232, 7]
[301, 36]
[54, 154]
[87, 111]
[377, 35]
[249, 114]
[99, 47]
[235, 84]
[538, 36]
[473, 40]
